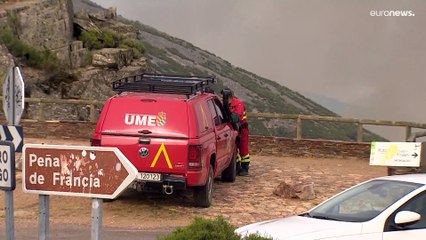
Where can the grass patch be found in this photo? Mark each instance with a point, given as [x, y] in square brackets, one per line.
[106, 38]
[30, 55]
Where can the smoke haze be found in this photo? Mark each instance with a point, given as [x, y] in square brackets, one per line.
[331, 49]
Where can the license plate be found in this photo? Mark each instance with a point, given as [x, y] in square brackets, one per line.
[152, 177]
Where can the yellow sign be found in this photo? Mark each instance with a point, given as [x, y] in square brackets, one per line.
[163, 150]
[399, 154]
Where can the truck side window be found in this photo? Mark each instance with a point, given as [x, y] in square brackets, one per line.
[213, 112]
[220, 110]
[202, 114]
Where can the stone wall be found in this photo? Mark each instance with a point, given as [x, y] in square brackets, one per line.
[273, 146]
[259, 145]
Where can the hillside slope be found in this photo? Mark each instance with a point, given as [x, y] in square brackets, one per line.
[170, 55]
[89, 70]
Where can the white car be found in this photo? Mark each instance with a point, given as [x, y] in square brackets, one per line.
[391, 207]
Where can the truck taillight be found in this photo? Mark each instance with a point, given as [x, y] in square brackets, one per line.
[194, 157]
[95, 142]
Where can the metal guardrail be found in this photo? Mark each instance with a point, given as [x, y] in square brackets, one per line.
[42, 102]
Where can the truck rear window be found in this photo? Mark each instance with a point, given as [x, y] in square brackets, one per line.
[131, 115]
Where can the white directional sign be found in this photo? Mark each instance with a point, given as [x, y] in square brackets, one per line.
[398, 154]
[7, 166]
[14, 134]
[13, 93]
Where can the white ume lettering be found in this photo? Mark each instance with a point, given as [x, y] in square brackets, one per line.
[76, 181]
[140, 119]
[47, 161]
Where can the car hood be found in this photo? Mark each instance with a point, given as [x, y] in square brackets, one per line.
[297, 227]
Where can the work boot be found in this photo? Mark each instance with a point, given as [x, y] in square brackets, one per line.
[238, 167]
[243, 172]
[244, 169]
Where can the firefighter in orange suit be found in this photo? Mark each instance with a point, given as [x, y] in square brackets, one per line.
[237, 106]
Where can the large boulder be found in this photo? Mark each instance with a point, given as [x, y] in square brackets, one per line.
[114, 58]
[80, 56]
[96, 82]
[296, 188]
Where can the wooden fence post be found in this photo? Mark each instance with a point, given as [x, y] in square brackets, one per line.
[41, 117]
[298, 128]
[407, 132]
[359, 133]
[92, 113]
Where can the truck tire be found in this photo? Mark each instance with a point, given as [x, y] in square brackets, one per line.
[203, 195]
[230, 173]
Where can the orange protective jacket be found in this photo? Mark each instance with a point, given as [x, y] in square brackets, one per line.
[237, 106]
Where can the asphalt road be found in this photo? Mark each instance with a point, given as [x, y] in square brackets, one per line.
[68, 231]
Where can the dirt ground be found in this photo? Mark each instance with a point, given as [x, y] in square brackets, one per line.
[247, 200]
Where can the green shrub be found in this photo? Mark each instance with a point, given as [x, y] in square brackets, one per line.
[110, 39]
[107, 38]
[90, 40]
[12, 21]
[57, 72]
[34, 57]
[205, 229]
[136, 45]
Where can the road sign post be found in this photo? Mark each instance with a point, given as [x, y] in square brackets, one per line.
[97, 214]
[13, 106]
[95, 172]
[43, 217]
[8, 183]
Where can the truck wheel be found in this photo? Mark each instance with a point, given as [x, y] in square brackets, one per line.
[203, 195]
[230, 173]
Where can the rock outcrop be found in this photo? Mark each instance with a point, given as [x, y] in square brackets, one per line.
[114, 58]
[47, 24]
[6, 61]
[52, 25]
[296, 188]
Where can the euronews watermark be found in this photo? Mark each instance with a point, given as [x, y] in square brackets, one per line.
[392, 13]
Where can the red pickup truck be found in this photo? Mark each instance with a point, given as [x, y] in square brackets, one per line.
[177, 134]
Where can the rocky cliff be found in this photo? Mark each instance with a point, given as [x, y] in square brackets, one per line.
[51, 25]
[46, 24]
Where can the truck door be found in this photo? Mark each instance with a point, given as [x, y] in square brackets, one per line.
[223, 134]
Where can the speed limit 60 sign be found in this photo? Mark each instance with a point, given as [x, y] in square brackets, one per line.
[7, 166]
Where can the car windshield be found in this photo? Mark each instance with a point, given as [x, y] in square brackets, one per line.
[363, 202]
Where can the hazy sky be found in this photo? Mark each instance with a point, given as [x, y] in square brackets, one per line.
[374, 65]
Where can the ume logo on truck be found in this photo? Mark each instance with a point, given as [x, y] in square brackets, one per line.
[145, 119]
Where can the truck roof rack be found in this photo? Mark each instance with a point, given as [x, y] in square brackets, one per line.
[156, 83]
